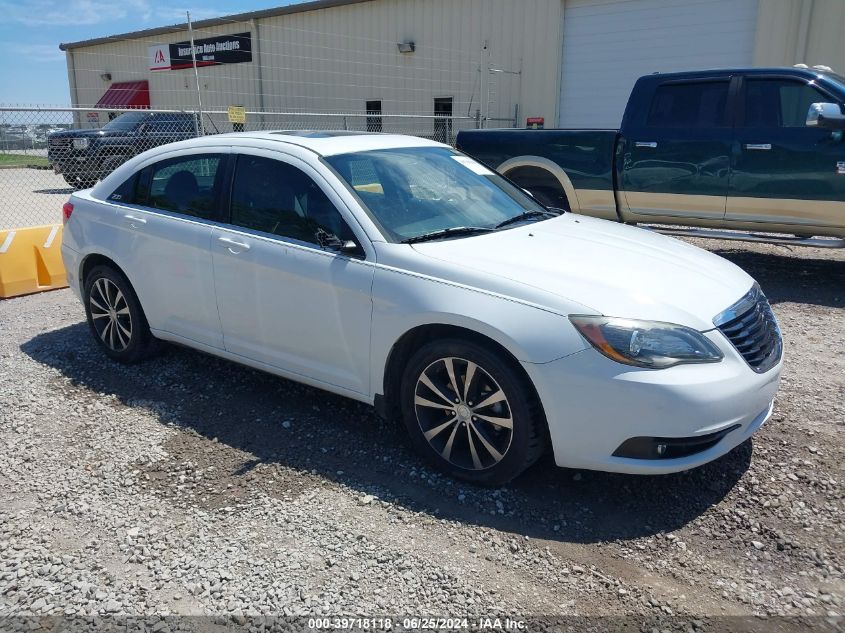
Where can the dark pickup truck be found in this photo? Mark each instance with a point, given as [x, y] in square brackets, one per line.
[85, 156]
[750, 150]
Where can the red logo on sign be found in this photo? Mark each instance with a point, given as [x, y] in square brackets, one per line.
[159, 59]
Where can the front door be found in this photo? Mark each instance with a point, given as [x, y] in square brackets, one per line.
[676, 161]
[785, 172]
[282, 299]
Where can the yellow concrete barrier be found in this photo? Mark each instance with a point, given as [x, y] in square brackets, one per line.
[31, 260]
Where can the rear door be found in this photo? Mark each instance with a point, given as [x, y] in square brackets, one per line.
[676, 155]
[785, 172]
[163, 243]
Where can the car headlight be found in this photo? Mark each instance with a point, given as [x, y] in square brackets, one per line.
[650, 344]
[80, 143]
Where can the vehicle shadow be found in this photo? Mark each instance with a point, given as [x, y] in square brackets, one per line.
[269, 420]
[792, 278]
[58, 190]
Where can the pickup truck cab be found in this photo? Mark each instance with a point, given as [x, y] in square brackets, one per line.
[84, 156]
[757, 150]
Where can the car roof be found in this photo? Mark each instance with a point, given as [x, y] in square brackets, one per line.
[326, 143]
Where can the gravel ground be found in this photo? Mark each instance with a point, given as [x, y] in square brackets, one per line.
[190, 485]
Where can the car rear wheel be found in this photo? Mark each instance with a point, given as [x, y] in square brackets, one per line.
[115, 317]
[471, 413]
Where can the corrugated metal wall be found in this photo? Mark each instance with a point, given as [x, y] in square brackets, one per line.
[335, 59]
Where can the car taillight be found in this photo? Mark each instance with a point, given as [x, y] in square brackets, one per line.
[67, 210]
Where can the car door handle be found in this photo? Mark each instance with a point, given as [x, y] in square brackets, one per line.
[760, 146]
[234, 246]
[133, 220]
[651, 144]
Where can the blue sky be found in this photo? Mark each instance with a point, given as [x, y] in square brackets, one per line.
[33, 69]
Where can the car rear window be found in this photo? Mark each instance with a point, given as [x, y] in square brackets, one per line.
[186, 185]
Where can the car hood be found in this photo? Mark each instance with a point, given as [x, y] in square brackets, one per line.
[613, 269]
[89, 133]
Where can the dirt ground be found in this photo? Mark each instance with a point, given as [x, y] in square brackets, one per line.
[190, 485]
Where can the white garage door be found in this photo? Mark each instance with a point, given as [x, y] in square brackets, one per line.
[608, 44]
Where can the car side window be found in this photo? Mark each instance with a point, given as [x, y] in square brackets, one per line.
[274, 197]
[775, 103]
[689, 104]
[125, 193]
[186, 185]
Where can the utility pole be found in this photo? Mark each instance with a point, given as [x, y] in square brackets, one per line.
[198, 125]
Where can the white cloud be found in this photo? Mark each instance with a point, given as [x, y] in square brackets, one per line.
[36, 52]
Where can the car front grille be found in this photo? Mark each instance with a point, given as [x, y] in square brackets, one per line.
[60, 147]
[751, 327]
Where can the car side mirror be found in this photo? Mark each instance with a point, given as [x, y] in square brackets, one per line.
[826, 115]
[332, 242]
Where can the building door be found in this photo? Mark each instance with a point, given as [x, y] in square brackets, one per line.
[443, 120]
[374, 116]
[608, 44]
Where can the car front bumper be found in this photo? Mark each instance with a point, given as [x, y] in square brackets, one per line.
[593, 405]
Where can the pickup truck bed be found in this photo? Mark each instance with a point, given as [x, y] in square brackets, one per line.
[758, 150]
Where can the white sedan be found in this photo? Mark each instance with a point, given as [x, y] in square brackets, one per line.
[402, 273]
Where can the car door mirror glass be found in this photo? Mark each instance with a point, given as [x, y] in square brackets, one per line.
[826, 115]
[332, 242]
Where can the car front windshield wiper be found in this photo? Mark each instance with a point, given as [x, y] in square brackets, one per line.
[453, 231]
[526, 215]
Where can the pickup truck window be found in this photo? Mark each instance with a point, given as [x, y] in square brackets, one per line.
[126, 121]
[689, 104]
[774, 103]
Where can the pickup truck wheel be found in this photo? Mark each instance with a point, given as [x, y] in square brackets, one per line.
[78, 182]
[115, 317]
[470, 413]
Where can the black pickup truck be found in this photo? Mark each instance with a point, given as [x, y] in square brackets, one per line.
[750, 150]
[85, 156]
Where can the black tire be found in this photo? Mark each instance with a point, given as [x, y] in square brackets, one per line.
[79, 182]
[110, 329]
[527, 435]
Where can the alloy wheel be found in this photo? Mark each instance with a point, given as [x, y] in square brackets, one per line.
[463, 413]
[110, 314]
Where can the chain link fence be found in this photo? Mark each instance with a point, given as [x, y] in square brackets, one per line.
[47, 153]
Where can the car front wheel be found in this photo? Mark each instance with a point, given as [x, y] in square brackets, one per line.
[471, 412]
[115, 316]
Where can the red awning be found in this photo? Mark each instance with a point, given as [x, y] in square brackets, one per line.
[126, 94]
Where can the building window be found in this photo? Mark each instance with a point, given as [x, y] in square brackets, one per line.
[374, 116]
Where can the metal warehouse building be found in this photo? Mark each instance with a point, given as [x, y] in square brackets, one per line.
[569, 62]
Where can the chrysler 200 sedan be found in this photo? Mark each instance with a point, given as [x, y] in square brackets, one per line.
[404, 274]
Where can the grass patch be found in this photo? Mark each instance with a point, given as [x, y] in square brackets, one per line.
[22, 160]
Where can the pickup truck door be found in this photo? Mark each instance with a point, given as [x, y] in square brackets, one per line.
[786, 173]
[676, 158]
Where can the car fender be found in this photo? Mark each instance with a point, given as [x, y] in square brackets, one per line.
[403, 301]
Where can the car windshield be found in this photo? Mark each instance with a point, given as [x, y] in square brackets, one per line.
[415, 191]
[126, 121]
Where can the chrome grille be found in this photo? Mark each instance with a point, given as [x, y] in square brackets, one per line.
[751, 327]
[59, 147]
